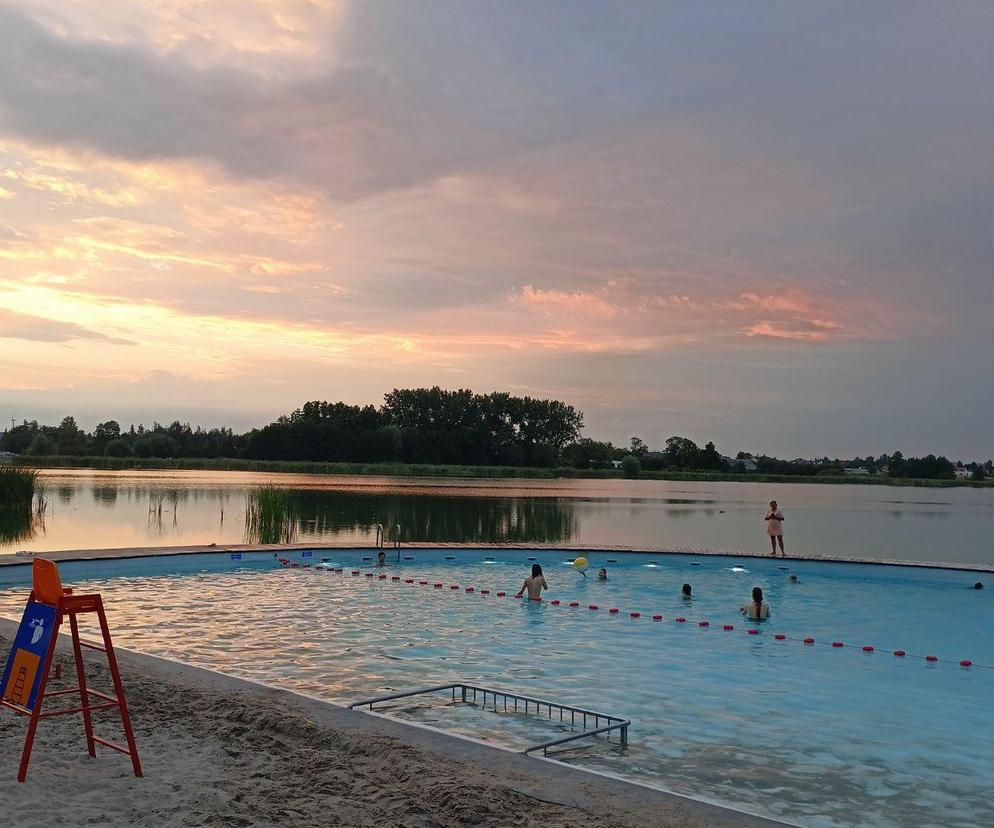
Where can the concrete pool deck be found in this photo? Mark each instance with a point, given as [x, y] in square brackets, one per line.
[221, 750]
[20, 558]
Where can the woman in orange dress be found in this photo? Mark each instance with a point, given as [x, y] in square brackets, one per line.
[774, 528]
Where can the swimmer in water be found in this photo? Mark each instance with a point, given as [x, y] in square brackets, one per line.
[381, 559]
[602, 574]
[534, 584]
[978, 585]
[685, 590]
[756, 610]
[793, 579]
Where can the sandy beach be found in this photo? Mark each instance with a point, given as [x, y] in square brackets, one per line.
[223, 752]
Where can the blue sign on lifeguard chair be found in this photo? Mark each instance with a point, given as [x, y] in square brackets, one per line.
[22, 675]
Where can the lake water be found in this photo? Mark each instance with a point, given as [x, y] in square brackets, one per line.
[97, 509]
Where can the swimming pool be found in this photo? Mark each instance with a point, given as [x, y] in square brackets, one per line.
[810, 733]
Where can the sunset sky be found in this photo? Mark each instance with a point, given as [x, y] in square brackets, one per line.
[770, 224]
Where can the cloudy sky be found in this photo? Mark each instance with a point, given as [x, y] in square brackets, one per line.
[770, 224]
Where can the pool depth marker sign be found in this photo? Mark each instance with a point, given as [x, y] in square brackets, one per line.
[22, 675]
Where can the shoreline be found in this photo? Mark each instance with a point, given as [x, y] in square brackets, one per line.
[217, 749]
[401, 470]
[123, 553]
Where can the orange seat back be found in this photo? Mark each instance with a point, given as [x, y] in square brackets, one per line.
[47, 584]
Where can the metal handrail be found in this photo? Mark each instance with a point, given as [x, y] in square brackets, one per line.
[613, 722]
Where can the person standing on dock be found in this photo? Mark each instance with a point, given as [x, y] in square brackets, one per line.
[774, 528]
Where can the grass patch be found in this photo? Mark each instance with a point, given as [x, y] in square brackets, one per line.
[17, 487]
[17, 495]
[272, 515]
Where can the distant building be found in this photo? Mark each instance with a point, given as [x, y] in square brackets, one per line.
[962, 473]
[748, 464]
[856, 470]
[7, 457]
[615, 464]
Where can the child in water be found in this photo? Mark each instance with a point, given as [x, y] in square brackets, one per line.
[534, 584]
[602, 574]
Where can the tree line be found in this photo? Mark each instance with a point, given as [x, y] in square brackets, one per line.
[436, 426]
[417, 425]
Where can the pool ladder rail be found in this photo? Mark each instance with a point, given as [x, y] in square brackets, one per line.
[612, 723]
[379, 540]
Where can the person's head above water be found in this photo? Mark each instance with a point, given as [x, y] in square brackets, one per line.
[536, 570]
[381, 555]
[793, 579]
[757, 596]
[686, 589]
[978, 585]
[773, 504]
[602, 574]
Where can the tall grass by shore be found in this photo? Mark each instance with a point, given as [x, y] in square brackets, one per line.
[17, 487]
[272, 515]
[418, 470]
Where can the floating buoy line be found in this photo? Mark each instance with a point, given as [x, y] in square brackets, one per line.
[702, 624]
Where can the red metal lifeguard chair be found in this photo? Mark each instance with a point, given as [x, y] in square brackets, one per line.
[23, 686]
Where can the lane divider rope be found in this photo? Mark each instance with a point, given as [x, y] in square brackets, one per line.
[702, 624]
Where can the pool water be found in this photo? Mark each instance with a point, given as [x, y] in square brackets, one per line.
[813, 734]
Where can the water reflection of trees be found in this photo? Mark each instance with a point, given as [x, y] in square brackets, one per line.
[422, 518]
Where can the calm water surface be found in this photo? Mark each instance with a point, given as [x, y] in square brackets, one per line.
[94, 509]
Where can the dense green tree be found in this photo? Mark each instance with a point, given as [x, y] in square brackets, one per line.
[682, 452]
[118, 448]
[155, 444]
[42, 444]
[630, 466]
[589, 454]
[69, 438]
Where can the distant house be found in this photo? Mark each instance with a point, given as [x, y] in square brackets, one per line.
[856, 470]
[747, 463]
[615, 464]
[7, 457]
[961, 472]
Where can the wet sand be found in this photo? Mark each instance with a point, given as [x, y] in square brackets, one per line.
[219, 751]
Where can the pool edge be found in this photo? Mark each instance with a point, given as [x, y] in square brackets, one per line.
[128, 552]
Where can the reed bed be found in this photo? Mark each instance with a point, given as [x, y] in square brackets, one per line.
[17, 487]
[17, 496]
[272, 515]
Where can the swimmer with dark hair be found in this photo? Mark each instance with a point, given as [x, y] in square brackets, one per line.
[602, 574]
[756, 609]
[685, 590]
[978, 585]
[534, 584]
[381, 559]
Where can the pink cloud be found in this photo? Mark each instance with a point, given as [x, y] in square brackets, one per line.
[560, 303]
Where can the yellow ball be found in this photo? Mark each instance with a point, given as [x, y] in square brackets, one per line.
[580, 564]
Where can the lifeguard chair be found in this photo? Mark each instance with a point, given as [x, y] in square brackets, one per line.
[23, 687]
